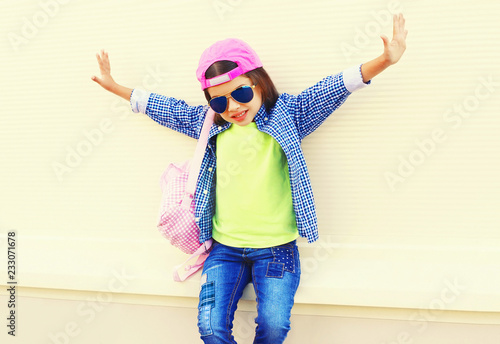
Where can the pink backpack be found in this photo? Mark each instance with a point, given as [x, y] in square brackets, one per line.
[176, 219]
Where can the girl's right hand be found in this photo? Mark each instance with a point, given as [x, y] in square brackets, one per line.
[106, 81]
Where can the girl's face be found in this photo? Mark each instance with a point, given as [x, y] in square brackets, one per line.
[237, 113]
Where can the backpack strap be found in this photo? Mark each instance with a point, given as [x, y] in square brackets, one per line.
[194, 168]
[200, 255]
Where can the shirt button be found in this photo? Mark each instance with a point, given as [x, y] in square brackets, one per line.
[265, 118]
[220, 128]
[196, 219]
[209, 146]
[210, 169]
[205, 191]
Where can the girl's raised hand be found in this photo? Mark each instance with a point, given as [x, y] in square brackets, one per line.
[106, 81]
[394, 49]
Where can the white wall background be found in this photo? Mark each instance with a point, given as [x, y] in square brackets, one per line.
[405, 173]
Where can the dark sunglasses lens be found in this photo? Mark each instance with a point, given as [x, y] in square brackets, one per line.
[218, 104]
[243, 94]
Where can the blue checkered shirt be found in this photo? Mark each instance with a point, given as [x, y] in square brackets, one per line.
[292, 118]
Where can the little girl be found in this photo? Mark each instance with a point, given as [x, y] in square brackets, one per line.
[253, 196]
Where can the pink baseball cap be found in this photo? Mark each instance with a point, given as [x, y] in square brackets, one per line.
[230, 49]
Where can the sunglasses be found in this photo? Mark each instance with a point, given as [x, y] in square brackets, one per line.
[242, 94]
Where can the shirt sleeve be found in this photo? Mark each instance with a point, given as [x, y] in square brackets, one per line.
[315, 104]
[353, 79]
[139, 100]
[169, 112]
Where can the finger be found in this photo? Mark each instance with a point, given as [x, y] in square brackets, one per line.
[401, 23]
[96, 79]
[101, 64]
[100, 60]
[105, 57]
[385, 40]
[395, 25]
[106, 61]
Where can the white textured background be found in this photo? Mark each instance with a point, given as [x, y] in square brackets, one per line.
[405, 173]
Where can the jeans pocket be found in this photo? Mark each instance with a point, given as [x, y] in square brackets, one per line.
[207, 302]
[275, 270]
[283, 260]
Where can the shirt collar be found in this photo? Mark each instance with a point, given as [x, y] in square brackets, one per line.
[260, 116]
[260, 119]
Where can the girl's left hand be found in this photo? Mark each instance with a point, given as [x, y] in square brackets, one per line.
[394, 49]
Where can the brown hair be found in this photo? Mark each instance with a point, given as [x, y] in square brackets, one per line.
[258, 76]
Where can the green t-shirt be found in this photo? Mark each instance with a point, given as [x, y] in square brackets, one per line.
[254, 205]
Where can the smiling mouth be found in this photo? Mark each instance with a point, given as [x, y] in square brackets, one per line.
[240, 115]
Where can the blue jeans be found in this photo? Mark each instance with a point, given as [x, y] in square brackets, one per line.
[275, 274]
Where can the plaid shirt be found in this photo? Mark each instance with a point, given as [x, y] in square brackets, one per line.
[291, 119]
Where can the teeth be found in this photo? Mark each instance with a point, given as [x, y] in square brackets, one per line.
[244, 112]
